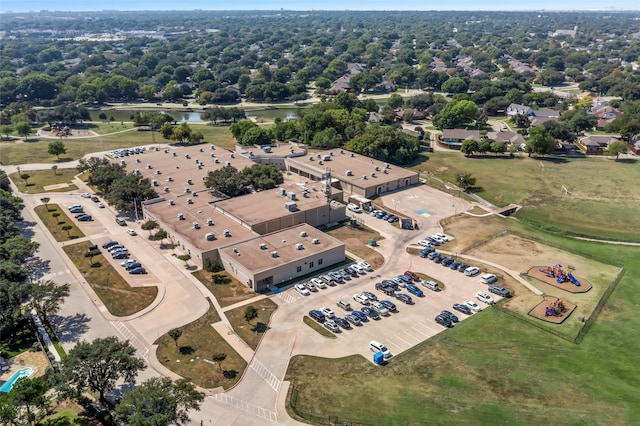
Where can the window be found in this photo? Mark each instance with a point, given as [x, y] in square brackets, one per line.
[299, 269]
[319, 261]
[310, 264]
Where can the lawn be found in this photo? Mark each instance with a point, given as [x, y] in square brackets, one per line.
[493, 368]
[113, 290]
[56, 224]
[38, 179]
[319, 327]
[598, 200]
[227, 290]
[356, 240]
[190, 356]
[251, 332]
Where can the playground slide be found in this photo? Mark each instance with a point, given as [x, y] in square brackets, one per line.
[573, 279]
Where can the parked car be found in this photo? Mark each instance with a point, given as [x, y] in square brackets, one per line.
[473, 305]
[450, 315]
[488, 279]
[109, 244]
[359, 315]
[462, 267]
[137, 271]
[364, 265]
[75, 206]
[331, 325]
[386, 289]
[318, 283]
[85, 195]
[431, 285]
[424, 243]
[101, 205]
[379, 347]
[433, 254]
[391, 284]
[95, 199]
[372, 297]
[370, 313]
[389, 305]
[363, 300]
[354, 208]
[344, 274]
[342, 323]
[484, 297]
[425, 251]
[300, 288]
[132, 232]
[444, 321]
[404, 298]
[433, 241]
[76, 209]
[380, 308]
[121, 221]
[344, 304]
[405, 278]
[327, 312]
[359, 269]
[310, 286]
[462, 308]
[441, 236]
[471, 271]
[354, 273]
[411, 275]
[446, 262]
[115, 247]
[499, 290]
[133, 265]
[438, 259]
[128, 262]
[85, 218]
[336, 276]
[327, 280]
[317, 315]
[352, 319]
[393, 218]
[454, 265]
[415, 290]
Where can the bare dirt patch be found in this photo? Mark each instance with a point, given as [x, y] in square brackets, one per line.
[467, 230]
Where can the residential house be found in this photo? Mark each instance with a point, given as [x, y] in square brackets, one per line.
[606, 114]
[517, 109]
[342, 83]
[417, 115]
[453, 138]
[595, 145]
[507, 136]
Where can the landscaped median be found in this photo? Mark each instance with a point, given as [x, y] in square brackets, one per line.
[58, 223]
[251, 321]
[318, 327]
[225, 287]
[39, 179]
[200, 354]
[113, 290]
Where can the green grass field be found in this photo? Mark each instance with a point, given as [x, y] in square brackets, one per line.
[493, 368]
[55, 218]
[38, 179]
[252, 332]
[598, 202]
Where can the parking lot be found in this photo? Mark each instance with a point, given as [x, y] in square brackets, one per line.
[399, 331]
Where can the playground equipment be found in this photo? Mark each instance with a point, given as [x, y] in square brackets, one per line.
[562, 276]
[61, 131]
[557, 308]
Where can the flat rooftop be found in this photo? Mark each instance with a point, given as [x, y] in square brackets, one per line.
[256, 259]
[341, 161]
[291, 149]
[267, 205]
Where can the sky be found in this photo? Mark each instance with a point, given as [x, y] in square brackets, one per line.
[77, 5]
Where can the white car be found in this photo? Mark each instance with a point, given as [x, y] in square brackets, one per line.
[311, 286]
[101, 205]
[484, 297]
[424, 243]
[361, 298]
[318, 283]
[359, 269]
[438, 239]
[441, 236]
[327, 312]
[401, 283]
[128, 262]
[471, 271]
[85, 195]
[382, 310]
[354, 208]
[132, 232]
[300, 288]
[365, 266]
[473, 305]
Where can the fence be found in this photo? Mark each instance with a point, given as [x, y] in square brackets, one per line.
[329, 420]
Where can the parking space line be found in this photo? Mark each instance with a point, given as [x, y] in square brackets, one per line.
[400, 338]
[414, 337]
[265, 414]
[428, 328]
[393, 344]
[421, 332]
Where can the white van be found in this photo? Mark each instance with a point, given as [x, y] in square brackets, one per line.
[379, 347]
[488, 278]
[471, 271]
[354, 208]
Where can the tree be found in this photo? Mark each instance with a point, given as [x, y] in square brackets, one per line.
[98, 366]
[498, 147]
[55, 169]
[395, 101]
[185, 258]
[159, 401]
[175, 335]
[102, 116]
[219, 357]
[455, 85]
[25, 177]
[57, 148]
[149, 225]
[18, 249]
[455, 114]
[540, 142]
[23, 129]
[45, 201]
[6, 130]
[160, 236]
[469, 147]
[31, 394]
[484, 146]
[250, 313]
[465, 180]
[67, 228]
[56, 215]
[90, 255]
[47, 297]
[616, 148]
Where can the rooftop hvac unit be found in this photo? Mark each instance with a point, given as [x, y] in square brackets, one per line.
[226, 233]
[274, 254]
[210, 222]
[291, 195]
[166, 189]
[187, 156]
[311, 158]
[373, 174]
[263, 246]
[186, 190]
[166, 151]
[227, 163]
[341, 151]
[352, 155]
[171, 202]
[158, 172]
[327, 158]
[216, 161]
[180, 216]
[175, 154]
[189, 182]
[364, 177]
[331, 153]
[199, 166]
[385, 171]
[318, 155]
[210, 236]
[195, 225]
[169, 179]
[136, 171]
[194, 193]
[189, 200]
[349, 172]
[212, 147]
[250, 153]
[291, 207]
[149, 166]
[231, 155]
[122, 162]
[376, 168]
[315, 241]
[154, 182]
[235, 250]
[282, 191]
[137, 160]
[386, 165]
[267, 149]
[320, 162]
[303, 233]
[299, 246]
[213, 155]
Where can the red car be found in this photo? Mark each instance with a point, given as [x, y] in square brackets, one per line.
[412, 275]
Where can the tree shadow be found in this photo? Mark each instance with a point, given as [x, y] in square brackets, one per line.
[220, 279]
[230, 374]
[260, 327]
[555, 160]
[627, 160]
[38, 267]
[187, 350]
[26, 228]
[69, 329]
[64, 160]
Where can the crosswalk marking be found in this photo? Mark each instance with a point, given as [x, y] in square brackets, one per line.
[267, 375]
[135, 342]
[246, 407]
[287, 297]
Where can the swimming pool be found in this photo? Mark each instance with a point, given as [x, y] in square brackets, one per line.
[23, 372]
